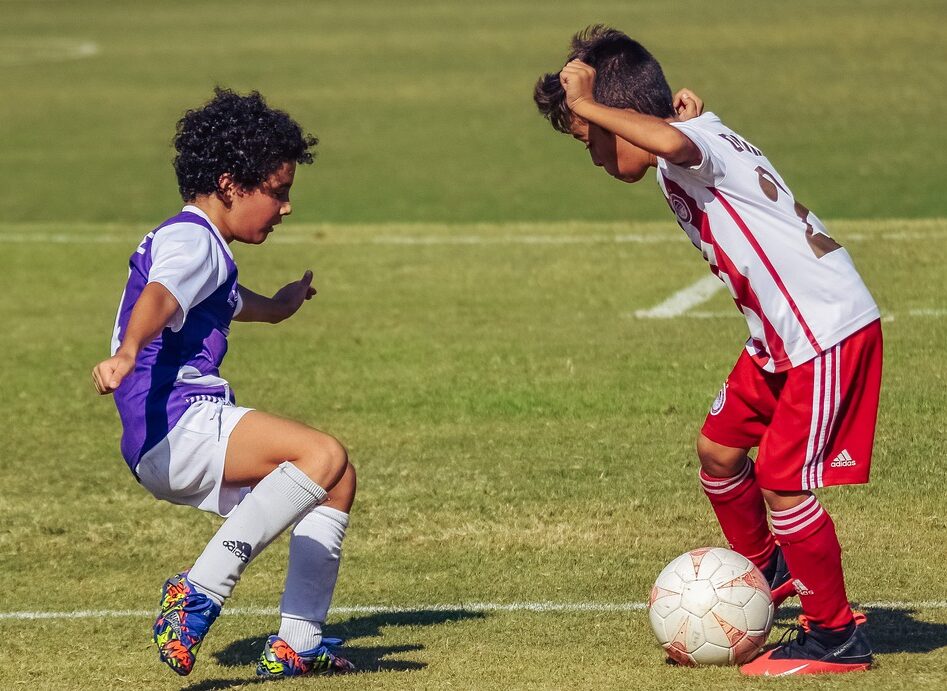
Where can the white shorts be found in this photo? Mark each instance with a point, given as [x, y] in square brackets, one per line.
[187, 466]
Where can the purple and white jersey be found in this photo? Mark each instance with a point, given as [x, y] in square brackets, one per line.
[188, 256]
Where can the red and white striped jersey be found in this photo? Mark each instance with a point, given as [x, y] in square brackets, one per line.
[797, 287]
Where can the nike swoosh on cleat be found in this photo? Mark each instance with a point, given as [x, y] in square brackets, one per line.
[791, 671]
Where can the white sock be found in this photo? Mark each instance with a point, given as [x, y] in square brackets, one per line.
[278, 499]
[315, 550]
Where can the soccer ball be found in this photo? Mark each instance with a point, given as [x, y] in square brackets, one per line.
[711, 606]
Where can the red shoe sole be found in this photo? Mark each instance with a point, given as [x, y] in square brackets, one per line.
[764, 666]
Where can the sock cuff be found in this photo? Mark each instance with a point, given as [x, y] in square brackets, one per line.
[799, 522]
[302, 635]
[297, 487]
[334, 515]
[726, 487]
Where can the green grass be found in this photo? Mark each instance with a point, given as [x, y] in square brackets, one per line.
[425, 108]
[519, 438]
[519, 435]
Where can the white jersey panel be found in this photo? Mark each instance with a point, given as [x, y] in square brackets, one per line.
[188, 262]
[797, 288]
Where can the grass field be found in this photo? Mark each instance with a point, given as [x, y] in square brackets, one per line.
[524, 441]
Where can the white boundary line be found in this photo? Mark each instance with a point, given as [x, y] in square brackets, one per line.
[17, 52]
[921, 313]
[677, 304]
[296, 238]
[538, 607]
[467, 234]
[284, 238]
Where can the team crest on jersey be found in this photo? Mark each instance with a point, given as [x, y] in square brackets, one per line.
[680, 208]
[719, 401]
[233, 297]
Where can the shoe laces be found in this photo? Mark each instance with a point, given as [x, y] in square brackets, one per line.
[797, 633]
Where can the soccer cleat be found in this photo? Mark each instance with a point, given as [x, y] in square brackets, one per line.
[780, 581]
[185, 617]
[813, 652]
[279, 660]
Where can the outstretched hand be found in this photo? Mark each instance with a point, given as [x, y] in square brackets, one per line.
[687, 105]
[578, 81]
[291, 296]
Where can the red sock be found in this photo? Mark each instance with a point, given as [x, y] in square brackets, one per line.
[807, 537]
[740, 509]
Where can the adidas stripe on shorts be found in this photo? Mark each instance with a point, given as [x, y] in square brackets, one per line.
[814, 424]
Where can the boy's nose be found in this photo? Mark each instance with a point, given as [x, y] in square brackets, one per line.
[286, 209]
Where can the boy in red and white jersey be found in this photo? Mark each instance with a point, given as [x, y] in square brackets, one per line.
[805, 390]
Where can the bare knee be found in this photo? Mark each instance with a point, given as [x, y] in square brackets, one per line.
[342, 495]
[718, 460]
[324, 460]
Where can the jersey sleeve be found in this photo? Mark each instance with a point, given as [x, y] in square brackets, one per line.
[712, 167]
[185, 260]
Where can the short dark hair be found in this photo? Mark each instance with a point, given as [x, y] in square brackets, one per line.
[235, 134]
[626, 76]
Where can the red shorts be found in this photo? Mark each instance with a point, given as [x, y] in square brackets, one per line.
[814, 424]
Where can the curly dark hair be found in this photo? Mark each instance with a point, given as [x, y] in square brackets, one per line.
[626, 76]
[235, 134]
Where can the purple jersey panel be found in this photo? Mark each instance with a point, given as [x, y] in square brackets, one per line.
[177, 367]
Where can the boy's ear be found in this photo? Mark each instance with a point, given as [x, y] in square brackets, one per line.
[226, 188]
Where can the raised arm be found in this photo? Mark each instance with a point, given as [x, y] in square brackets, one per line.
[150, 315]
[284, 304]
[647, 132]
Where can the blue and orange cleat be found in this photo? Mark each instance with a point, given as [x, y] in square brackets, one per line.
[185, 617]
[279, 660]
[816, 651]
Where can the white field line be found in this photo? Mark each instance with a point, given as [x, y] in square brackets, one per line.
[424, 240]
[391, 240]
[927, 312]
[537, 607]
[16, 52]
[695, 294]
[920, 313]
[468, 234]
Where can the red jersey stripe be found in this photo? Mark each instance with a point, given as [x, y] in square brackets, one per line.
[748, 299]
[769, 266]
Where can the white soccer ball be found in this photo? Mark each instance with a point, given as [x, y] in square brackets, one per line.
[711, 606]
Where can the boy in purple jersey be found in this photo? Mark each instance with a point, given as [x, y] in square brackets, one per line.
[184, 437]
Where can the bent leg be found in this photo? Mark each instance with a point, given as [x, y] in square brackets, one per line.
[719, 461]
[292, 466]
[811, 548]
[260, 442]
[729, 482]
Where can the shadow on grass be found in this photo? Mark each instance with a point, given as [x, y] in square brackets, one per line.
[890, 630]
[366, 658]
[370, 625]
[220, 684]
